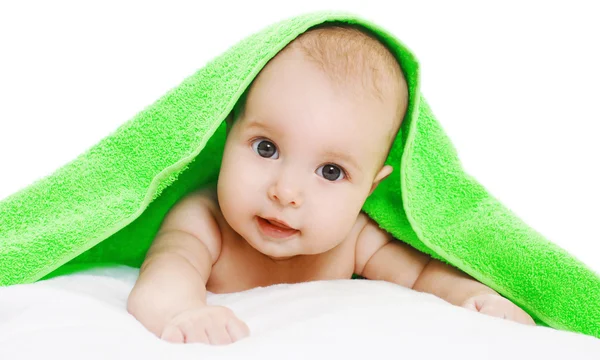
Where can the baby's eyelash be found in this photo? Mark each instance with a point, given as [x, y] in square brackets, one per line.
[346, 173]
[256, 138]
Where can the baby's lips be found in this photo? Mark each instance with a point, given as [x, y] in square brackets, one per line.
[279, 223]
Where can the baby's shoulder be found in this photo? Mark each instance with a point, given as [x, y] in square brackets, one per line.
[205, 197]
[197, 214]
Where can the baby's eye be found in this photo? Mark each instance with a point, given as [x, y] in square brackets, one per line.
[265, 148]
[331, 172]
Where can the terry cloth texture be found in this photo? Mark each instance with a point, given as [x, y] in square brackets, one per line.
[107, 204]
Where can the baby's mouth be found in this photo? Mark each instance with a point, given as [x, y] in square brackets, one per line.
[275, 228]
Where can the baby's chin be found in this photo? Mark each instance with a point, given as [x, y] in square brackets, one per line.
[276, 252]
[281, 252]
[280, 258]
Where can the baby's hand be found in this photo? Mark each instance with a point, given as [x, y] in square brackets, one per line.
[214, 325]
[496, 305]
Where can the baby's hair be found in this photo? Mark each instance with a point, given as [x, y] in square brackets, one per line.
[354, 59]
[348, 53]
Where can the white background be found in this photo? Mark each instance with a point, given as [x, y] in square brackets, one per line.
[514, 84]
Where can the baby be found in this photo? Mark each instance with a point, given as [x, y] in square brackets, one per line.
[305, 148]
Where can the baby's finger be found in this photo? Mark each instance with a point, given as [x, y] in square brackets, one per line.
[492, 310]
[218, 335]
[237, 329]
[523, 317]
[172, 334]
[471, 305]
[194, 333]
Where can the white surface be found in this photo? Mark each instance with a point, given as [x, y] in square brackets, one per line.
[84, 316]
[514, 83]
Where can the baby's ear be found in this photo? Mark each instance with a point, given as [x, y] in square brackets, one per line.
[382, 174]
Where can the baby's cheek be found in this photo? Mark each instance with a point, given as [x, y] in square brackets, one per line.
[233, 185]
[335, 219]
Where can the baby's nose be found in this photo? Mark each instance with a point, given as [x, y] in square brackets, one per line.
[286, 198]
[286, 193]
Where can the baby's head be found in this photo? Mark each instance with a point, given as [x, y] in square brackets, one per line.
[308, 143]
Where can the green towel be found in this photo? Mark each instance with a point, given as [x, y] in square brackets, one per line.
[107, 204]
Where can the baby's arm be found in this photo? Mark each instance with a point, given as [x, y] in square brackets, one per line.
[169, 297]
[380, 257]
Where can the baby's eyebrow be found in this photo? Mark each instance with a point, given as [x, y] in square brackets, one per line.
[258, 125]
[344, 157]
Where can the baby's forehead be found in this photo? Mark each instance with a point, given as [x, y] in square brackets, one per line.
[359, 65]
[352, 57]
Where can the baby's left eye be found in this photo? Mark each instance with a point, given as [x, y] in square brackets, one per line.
[331, 172]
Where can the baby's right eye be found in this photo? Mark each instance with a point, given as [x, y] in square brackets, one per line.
[265, 148]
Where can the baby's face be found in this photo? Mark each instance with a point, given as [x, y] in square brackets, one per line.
[305, 153]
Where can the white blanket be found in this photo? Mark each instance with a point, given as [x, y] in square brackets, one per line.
[83, 316]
